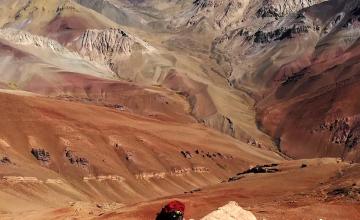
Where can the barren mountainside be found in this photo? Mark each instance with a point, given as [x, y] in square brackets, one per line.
[236, 108]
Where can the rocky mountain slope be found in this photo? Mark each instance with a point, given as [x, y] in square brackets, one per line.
[322, 72]
[64, 103]
[271, 48]
[110, 108]
[108, 159]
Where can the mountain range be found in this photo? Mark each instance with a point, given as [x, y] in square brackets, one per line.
[111, 108]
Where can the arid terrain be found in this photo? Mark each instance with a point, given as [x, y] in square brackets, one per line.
[240, 109]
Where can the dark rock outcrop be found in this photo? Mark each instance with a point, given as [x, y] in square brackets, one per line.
[192, 191]
[355, 17]
[262, 169]
[279, 34]
[235, 178]
[5, 161]
[350, 192]
[353, 139]
[186, 154]
[74, 159]
[293, 78]
[268, 11]
[213, 155]
[269, 168]
[41, 154]
[343, 131]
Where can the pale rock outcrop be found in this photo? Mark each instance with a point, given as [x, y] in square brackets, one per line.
[186, 171]
[110, 177]
[109, 46]
[20, 179]
[230, 211]
[101, 48]
[201, 170]
[104, 44]
[177, 172]
[222, 11]
[150, 175]
[54, 181]
[45, 48]
[280, 8]
[102, 178]
[180, 171]
[27, 39]
[4, 143]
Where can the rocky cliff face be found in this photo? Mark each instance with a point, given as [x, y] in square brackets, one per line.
[280, 8]
[307, 84]
[103, 48]
[103, 45]
[292, 52]
[234, 13]
[218, 14]
[50, 51]
[109, 46]
[27, 39]
[255, 40]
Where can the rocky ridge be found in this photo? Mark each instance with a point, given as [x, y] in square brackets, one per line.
[224, 11]
[109, 45]
[244, 40]
[27, 39]
[281, 8]
[99, 48]
[229, 14]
